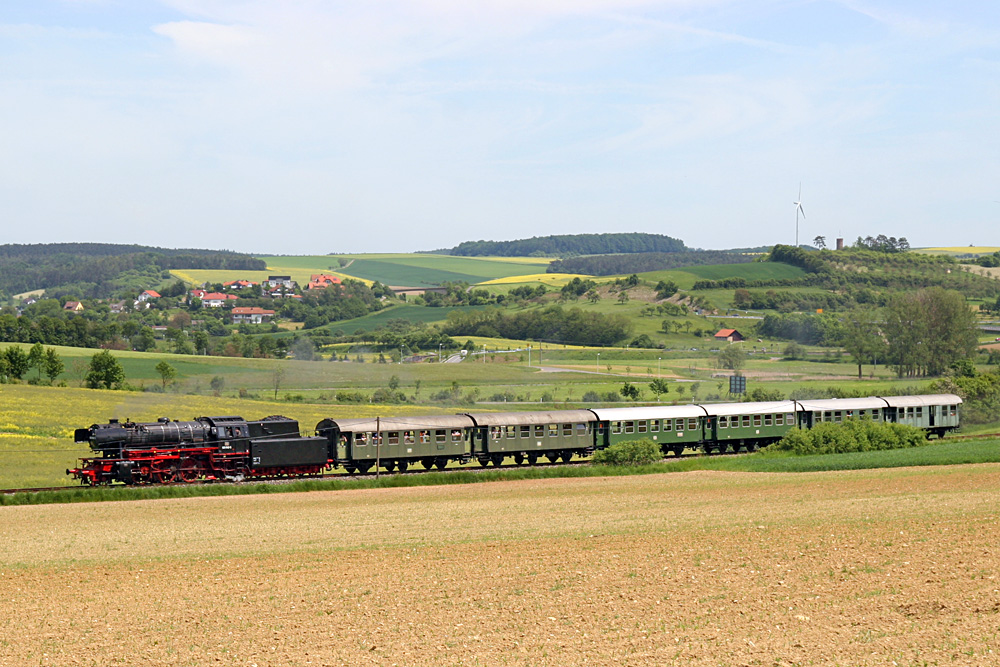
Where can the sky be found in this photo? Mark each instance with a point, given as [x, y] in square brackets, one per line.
[314, 127]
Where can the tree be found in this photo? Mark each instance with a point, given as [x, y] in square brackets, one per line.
[52, 366]
[17, 361]
[665, 289]
[659, 386]
[623, 297]
[167, 373]
[862, 338]
[733, 358]
[928, 330]
[394, 382]
[593, 296]
[820, 242]
[36, 357]
[105, 370]
[277, 375]
[217, 384]
[629, 391]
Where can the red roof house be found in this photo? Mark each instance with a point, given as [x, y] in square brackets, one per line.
[321, 280]
[731, 335]
[251, 314]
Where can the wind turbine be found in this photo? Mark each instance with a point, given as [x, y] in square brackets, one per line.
[798, 209]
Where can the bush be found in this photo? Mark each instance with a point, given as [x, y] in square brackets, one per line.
[351, 397]
[629, 453]
[852, 435]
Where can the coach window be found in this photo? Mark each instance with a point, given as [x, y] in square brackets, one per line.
[602, 427]
[920, 413]
[494, 432]
[511, 432]
[616, 427]
[553, 430]
[440, 436]
[525, 432]
[425, 436]
[456, 435]
[360, 439]
[756, 420]
[746, 421]
[641, 426]
[567, 430]
[768, 420]
[789, 418]
[377, 439]
[539, 431]
[582, 428]
[668, 424]
[630, 427]
[407, 437]
[779, 420]
[723, 422]
[654, 425]
[692, 424]
[393, 437]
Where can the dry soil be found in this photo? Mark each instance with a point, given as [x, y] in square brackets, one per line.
[855, 568]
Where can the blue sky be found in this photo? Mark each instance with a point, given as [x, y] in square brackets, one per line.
[307, 126]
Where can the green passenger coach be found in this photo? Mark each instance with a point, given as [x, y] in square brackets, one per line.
[526, 436]
[750, 425]
[673, 427]
[397, 442]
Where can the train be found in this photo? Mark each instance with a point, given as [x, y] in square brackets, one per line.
[232, 448]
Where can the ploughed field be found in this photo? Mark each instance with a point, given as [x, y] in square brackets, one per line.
[707, 568]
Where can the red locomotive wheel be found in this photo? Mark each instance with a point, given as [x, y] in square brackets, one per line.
[191, 470]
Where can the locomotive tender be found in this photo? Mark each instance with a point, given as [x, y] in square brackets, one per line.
[231, 448]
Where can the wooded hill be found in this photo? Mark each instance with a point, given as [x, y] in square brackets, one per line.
[96, 270]
[570, 245]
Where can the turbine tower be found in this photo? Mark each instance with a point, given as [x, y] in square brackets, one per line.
[798, 209]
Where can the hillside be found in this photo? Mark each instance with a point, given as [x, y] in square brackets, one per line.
[98, 270]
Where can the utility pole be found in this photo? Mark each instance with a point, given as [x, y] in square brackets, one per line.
[378, 445]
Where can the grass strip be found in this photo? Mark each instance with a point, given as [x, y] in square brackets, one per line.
[944, 453]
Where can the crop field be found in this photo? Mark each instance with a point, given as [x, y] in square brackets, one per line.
[703, 568]
[416, 270]
[960, 250]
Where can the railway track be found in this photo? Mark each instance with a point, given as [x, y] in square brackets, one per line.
[412, 471]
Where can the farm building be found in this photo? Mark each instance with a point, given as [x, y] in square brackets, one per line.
[731, 335]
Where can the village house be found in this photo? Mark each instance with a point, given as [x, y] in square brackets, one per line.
[239, 284]
[251, 315]
[143, 300]
[280, 281]
[73, 306]
[322, 280]
[216, 299]
[731, 335]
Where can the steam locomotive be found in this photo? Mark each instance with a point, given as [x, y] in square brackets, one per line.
[222, 448]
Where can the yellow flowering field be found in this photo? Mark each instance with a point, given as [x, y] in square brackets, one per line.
[549, 279]
[37, 423]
